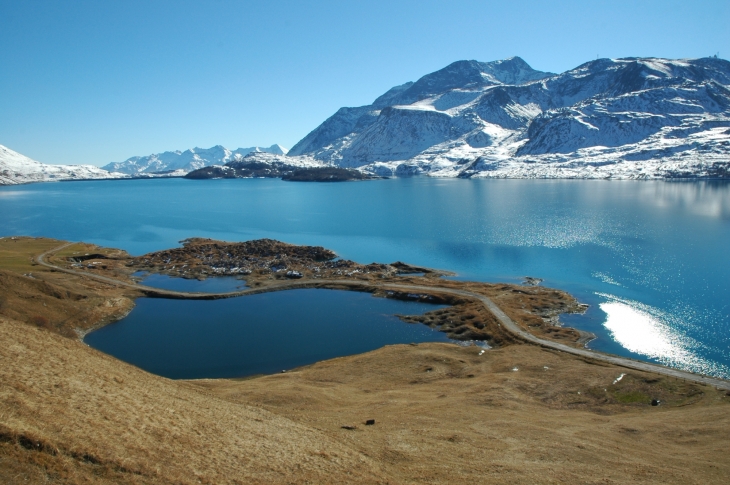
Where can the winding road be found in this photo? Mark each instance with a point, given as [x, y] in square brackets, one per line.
[504, 320]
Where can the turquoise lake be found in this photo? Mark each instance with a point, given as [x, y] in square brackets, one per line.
[651, 258]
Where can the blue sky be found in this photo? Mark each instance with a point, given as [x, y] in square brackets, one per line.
[100, 81]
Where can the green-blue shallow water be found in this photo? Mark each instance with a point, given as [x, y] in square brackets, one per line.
[651, 258]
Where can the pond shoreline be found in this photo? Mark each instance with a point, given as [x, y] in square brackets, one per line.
[264, 333]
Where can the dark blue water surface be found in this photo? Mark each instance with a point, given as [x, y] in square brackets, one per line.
[257, 334]
[651, 258]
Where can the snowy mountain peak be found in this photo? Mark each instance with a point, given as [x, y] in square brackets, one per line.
[457, 84]
[513, 70]
[468, 75]
[637, 117]
[275, 149]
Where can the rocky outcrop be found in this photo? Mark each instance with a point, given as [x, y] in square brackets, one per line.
[325, 174]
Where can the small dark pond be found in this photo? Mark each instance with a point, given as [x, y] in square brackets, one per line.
[257, 334]
[217, 284]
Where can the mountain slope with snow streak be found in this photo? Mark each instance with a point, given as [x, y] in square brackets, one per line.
[16, 168]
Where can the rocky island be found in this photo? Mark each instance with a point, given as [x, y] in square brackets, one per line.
[254, 168]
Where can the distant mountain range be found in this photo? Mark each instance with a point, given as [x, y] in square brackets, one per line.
[16, 168]
[188, 160]
[626, 118]
[607, 118]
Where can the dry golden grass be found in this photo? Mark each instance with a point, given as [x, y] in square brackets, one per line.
[16, 253]
[534, 308]
[445, 414]
[63, 304]
[66, 304]
[72, 414]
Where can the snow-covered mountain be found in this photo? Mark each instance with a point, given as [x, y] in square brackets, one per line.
[188, 160]
[628, 118]
[19, 169]
[607, 118]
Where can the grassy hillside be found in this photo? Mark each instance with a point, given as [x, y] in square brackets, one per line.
[443, 413]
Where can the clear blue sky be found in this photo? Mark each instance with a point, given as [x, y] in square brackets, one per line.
[100, 81]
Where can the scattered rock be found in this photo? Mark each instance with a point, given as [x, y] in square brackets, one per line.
[369, 422]
[530, 281]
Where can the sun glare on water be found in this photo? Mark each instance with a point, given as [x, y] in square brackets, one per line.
[641, 332]
[642, 329]
[648, 331]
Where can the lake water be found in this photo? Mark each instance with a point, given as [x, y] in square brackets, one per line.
[651, 258]
[218, 284]
[258, 334]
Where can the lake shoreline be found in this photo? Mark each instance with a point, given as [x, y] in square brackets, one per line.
[467, 322]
